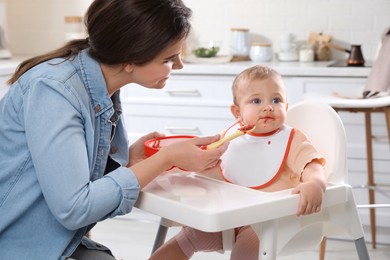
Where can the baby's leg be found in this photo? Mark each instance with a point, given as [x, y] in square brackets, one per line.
[246, 245]
[186, 243]
[191, 240]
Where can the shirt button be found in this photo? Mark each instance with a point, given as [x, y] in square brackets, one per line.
[97, 108]
[114, 150]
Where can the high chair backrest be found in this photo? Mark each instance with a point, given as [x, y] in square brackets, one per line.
[323, 126]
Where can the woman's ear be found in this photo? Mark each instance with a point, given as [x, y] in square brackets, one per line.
[128, 67]
[235, 111]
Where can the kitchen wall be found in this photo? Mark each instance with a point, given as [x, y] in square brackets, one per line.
[38, 26]
[347, 21]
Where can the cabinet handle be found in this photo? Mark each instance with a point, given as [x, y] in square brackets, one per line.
[184, 92]
[183, 130]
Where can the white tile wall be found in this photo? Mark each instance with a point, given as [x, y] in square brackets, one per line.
[37, 26]
[348, 21]
[3, 17]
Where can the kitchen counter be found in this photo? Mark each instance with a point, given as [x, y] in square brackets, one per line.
[299, 69]
[303, 69]
[8, 66]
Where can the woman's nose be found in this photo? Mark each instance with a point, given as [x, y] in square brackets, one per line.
[178, 63]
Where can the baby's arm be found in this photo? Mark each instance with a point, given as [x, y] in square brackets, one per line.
[311, 188]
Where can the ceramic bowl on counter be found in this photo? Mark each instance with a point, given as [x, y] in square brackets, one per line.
[207, 49]
[261, 52]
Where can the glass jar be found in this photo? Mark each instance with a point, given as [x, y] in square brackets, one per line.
[306, 53]
[239, 42]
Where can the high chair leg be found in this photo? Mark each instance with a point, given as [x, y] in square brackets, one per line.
[323, 248]
[160, 237]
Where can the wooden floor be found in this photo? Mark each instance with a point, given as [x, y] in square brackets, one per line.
[132, 239]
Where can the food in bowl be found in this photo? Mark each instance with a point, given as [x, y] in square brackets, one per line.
[206, 52]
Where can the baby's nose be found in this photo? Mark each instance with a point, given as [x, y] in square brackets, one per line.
[268, 107]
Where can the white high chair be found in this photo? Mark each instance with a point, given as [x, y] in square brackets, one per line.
[210, 205]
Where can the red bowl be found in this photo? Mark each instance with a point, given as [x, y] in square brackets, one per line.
[152, 146]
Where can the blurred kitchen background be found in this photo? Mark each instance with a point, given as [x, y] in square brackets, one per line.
[33, 27]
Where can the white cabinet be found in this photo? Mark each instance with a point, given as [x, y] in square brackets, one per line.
[190, 105]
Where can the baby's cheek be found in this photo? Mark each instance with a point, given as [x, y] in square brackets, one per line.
[250, 118]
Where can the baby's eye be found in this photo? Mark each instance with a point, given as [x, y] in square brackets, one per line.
[276, 100]
[256, 101]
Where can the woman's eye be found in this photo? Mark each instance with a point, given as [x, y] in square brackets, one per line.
[169, 61]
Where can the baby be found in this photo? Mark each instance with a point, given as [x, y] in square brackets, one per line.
[273, 157]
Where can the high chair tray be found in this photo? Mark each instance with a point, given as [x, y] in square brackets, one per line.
[211, 205]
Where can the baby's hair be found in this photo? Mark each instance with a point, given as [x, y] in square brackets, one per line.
[250, 74]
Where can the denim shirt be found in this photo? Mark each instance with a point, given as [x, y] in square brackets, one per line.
[55, 138]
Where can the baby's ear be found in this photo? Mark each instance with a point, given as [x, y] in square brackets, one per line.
[235, 111]
[286, 106]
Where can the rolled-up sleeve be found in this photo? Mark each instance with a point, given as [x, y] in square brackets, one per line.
[129, 187]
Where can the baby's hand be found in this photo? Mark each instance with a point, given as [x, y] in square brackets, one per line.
[310, 197]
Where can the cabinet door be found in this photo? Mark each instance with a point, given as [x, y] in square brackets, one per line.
[185, 88]
[194, 105]
[294, 89]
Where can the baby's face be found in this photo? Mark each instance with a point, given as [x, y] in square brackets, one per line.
[262, 103]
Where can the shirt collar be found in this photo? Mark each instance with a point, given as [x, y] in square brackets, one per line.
[94, 82]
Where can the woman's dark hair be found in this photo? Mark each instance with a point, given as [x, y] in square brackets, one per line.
[123, 31]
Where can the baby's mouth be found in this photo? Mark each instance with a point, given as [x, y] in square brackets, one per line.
[266, 118]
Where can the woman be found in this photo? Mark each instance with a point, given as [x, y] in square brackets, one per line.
[65, 163]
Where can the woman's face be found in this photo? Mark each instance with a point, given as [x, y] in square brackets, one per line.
[156, 73]
[262, 103]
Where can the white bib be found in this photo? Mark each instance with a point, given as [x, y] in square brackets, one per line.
[256, 161]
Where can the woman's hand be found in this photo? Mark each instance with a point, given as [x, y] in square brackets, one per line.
[136, 150]
[188, 154]
[183, 154]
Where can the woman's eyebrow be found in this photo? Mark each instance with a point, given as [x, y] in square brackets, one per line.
[172, 56]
